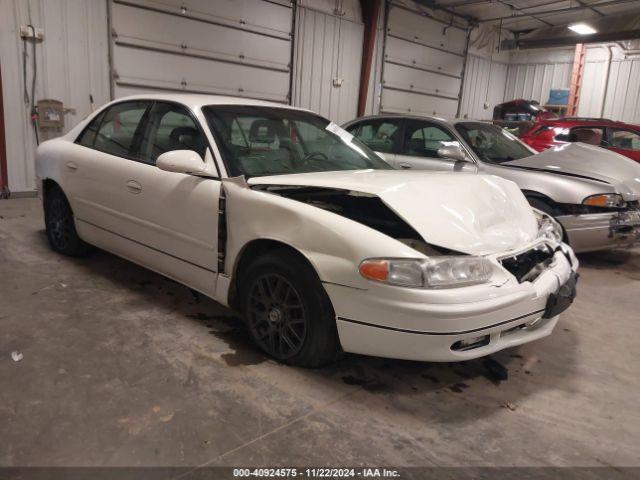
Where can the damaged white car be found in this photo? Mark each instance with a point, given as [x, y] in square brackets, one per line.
[320, 245]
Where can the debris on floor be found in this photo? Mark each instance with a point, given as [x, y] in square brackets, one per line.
[509, 406]
[17, 356]
[495, 371]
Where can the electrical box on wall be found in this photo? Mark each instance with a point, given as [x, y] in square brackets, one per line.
[29, 31]
[50, 114]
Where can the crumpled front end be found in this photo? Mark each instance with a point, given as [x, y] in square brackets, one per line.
[459, 323]
[601, 231]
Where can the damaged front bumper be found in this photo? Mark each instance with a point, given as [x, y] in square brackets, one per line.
[453, 324]
[601, 231]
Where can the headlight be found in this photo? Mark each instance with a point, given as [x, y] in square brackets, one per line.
[548, 227]
[434, 272]
[605, 200]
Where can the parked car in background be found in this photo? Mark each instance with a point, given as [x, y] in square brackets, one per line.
[592, 192]
[618, 137]
[318, 242]
[519, 115]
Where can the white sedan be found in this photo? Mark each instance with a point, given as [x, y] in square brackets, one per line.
[321, 246]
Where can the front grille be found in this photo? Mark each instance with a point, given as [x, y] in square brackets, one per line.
[528, 265]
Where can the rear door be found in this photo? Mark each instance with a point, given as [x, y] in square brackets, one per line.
[421, 141]
[96, 177]
[625, 142]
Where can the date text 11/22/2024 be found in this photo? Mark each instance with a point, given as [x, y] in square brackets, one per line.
[316, 472]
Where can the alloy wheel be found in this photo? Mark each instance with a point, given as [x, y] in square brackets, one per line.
[276, 316]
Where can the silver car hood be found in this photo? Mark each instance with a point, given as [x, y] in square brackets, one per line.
[587, 161]
[468, 213]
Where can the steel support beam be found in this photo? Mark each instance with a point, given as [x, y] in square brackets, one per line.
[4, 177]
[370, 14]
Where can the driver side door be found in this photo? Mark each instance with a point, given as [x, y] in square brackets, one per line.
[419, 150]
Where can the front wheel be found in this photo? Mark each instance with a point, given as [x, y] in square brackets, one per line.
[287, 311]
[60, 225]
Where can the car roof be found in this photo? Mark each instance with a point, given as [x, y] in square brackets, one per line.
[446, 120]
[196, 100]
[585, 122]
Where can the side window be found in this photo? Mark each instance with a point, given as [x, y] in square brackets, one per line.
[424, 139]
[592, 136]
[624, 139]
[379, 135]
[170, 127]
[118, 128]
[88, 136]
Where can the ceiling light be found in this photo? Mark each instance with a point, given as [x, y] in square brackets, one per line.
[582, 29]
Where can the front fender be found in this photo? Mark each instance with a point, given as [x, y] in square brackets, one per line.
[334, 245]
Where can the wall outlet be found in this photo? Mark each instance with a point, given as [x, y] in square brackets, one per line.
[31, 32]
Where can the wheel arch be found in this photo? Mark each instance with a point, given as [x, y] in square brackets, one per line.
[253, 250]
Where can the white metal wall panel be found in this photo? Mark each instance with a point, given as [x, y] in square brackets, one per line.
[240, 47]
[327, 48]
[533, 81]
[484, 84]
[592, 90]
[72, 63]
[423, 63]
[623, 92]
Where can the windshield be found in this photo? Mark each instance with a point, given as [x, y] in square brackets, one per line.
[257, 141]
[491, 143]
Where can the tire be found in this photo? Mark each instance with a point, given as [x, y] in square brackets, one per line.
[60, 224]
[287, 311]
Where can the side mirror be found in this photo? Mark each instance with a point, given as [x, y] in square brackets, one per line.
[453, 153]
[181, 161]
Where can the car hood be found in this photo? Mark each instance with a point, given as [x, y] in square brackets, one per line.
[587, 161]
[468, 213]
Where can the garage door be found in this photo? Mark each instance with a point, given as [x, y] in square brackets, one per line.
[423, 63]
[229, 47]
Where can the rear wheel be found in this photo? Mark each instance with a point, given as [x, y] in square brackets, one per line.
[287, 311]
[60, 225]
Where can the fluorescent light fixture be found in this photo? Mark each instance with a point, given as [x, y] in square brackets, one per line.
[582, 29]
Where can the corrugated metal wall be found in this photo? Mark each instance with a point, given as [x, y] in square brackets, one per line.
[619, 77]
[328, 49]
[484, 84]
[533, 81]
[71, 63]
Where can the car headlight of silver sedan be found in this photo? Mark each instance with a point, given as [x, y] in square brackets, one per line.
[434, 272]
[548, 227]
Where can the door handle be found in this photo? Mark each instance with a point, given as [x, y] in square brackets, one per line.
[71, 166]
[404, 165]
[133, 186]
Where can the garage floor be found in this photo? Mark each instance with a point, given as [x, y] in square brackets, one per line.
[124, 367]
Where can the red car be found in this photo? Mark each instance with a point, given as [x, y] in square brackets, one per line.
[617, 136]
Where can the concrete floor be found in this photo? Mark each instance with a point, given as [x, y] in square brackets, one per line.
[124, 367]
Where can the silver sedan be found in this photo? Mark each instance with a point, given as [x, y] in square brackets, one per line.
[592, 192]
